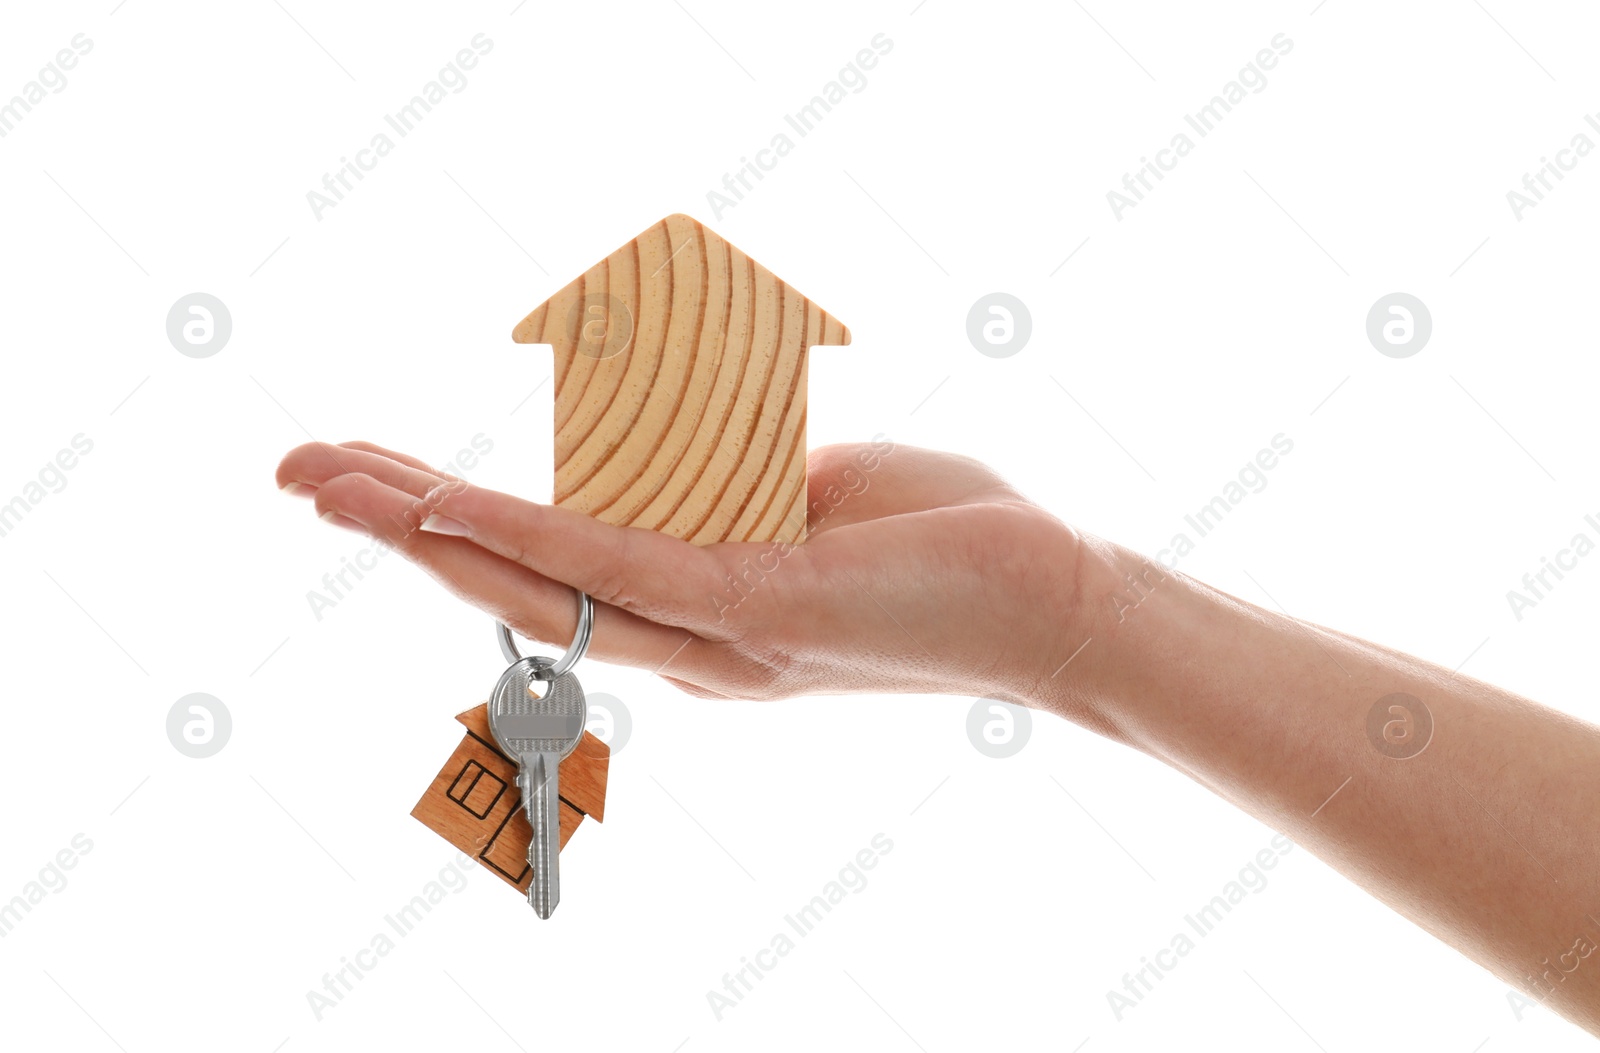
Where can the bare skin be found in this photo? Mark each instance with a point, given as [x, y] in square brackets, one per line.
[914, 578]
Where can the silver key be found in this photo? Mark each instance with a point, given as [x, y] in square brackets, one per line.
[537, 731]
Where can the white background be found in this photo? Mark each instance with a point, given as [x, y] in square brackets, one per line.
[1228, 307]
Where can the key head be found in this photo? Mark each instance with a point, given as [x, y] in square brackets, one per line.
[524, 722]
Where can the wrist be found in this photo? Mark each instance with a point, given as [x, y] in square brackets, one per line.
[1126, 617]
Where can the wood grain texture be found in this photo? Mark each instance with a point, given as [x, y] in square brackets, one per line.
[474, 802]
[680, 376]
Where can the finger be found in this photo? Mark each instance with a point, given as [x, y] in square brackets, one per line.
[393, 455]
[530, 603]
[313, 459]
[659, 577]
[314, 464]
[856, 482]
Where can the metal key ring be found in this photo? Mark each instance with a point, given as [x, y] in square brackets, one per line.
[580, 641]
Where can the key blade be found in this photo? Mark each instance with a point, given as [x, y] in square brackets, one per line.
[542, 771]
[538, 730]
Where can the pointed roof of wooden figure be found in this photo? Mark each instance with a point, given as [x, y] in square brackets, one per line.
[680, 372]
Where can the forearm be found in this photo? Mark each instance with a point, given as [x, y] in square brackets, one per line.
[1273, 714]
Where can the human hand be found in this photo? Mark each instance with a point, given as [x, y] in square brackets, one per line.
[922, 571]
[925, 572]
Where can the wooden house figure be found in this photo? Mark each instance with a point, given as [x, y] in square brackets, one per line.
[680, 406]
[680, 388]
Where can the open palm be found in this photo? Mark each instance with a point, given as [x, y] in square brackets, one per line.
[923, 571]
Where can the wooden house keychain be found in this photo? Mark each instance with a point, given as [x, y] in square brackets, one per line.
[680, 406]
[539, 732]
[527, 771]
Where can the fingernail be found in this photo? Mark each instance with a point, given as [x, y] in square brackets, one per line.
[437, 524]
[342, 521]
[297, 489]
